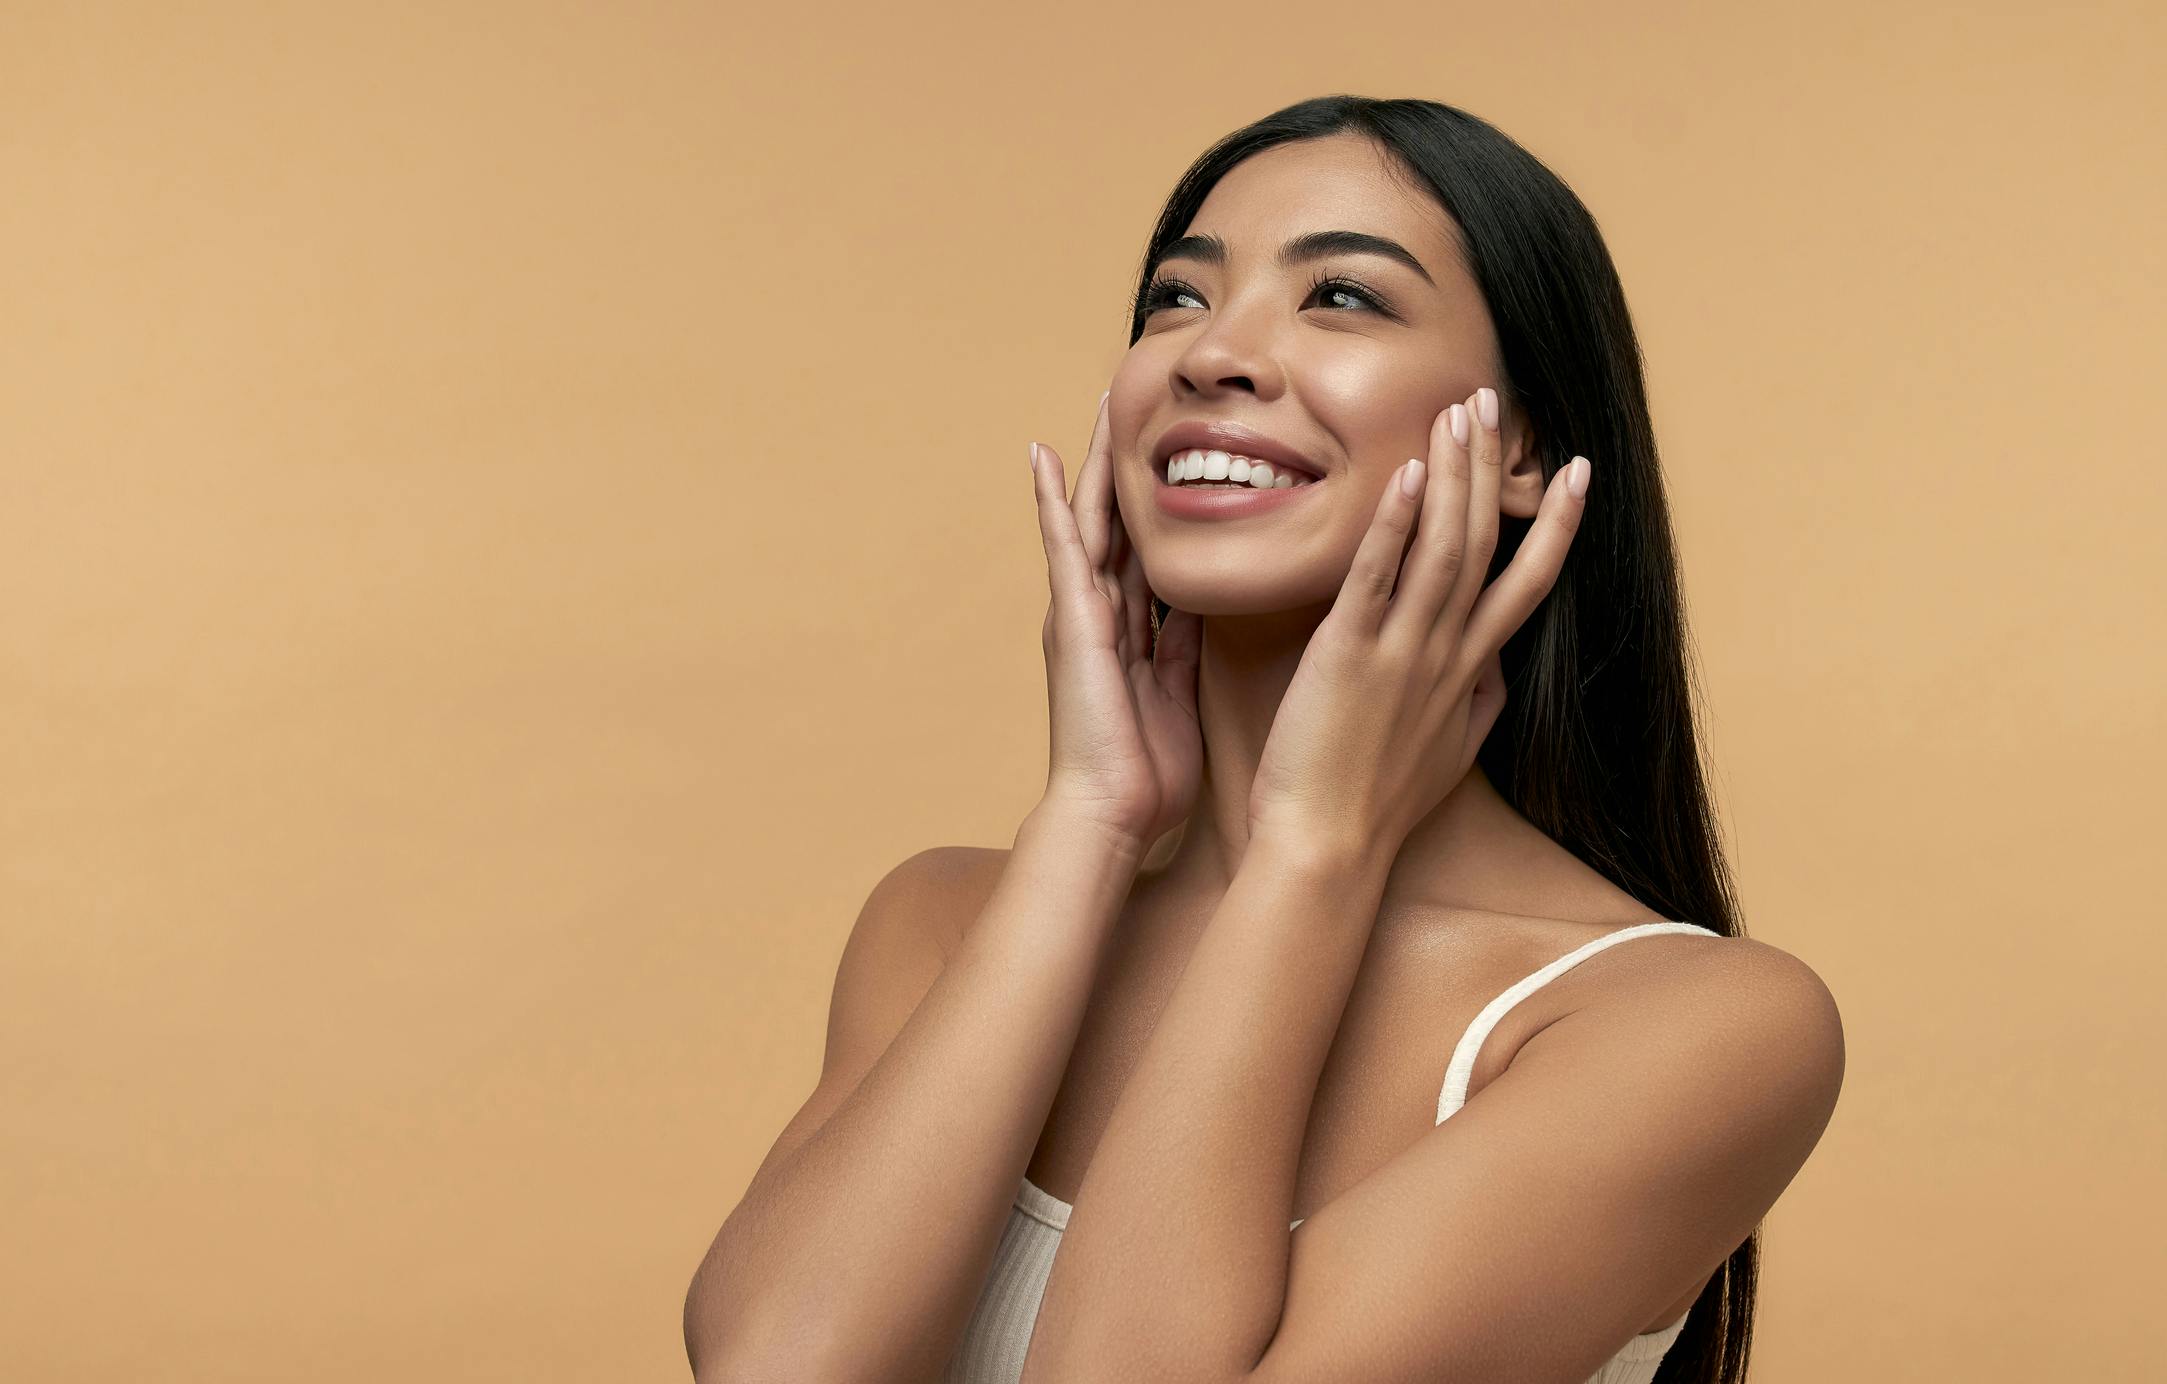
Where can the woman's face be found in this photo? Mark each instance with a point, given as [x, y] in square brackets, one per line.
[1349, 379]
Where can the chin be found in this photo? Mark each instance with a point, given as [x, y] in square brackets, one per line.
[1212, 599]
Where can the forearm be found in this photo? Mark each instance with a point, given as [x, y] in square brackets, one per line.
[859, 1256]
[1174, 1262]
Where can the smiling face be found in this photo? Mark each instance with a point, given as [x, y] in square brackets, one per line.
[1344, 356]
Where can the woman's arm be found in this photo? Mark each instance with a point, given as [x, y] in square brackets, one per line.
[859, 1249]
[1178, 1243]
[1629, 1150]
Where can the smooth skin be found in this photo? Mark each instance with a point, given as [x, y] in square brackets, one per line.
[1214, 984]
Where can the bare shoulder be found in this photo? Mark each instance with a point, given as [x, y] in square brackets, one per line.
[1752, 985]
[939, 892]
[905, 935]
[1755, 1025]
[1765, 1017]
[902, 940]
[1749, 966]
[1746, 980]
[1728, 984]
[1748, 1039]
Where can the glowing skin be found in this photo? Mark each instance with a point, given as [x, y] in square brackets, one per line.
[1326, 373]
[1354, 386]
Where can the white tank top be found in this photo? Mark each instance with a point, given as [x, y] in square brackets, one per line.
[999, 1332]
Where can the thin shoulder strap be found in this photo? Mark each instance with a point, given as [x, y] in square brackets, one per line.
[1463, 1057]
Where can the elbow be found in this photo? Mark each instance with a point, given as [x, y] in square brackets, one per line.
[730, 1339]
[703, 1333]
[717, 1345]
[751, 1360]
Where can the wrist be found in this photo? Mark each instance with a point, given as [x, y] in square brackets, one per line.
[1319, 854]
[1056, 819]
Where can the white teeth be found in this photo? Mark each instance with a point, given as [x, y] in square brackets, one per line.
[1202, 464]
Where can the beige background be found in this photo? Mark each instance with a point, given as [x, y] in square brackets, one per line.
[514, 519]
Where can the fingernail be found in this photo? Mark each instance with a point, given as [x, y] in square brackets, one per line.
[1486, 405]
[1034, 458]
[1411, 479]
[1105, 396]
[1459, 423]
[1576, 477]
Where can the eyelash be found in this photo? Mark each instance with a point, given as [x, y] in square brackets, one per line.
[1159, 291]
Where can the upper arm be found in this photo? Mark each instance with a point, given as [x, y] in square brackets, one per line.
[904, 934]
[1626, 1152]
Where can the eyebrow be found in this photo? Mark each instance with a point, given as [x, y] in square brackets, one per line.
[1316, 245]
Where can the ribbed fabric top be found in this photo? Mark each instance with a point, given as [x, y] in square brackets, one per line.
[999, 1332]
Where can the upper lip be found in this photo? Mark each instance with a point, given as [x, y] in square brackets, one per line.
[1234, 439]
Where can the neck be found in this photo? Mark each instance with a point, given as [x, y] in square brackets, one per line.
[1468, 849]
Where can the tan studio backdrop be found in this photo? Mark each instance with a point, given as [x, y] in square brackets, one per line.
[513, 517]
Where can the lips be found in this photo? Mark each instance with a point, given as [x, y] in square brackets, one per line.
[1235, 439]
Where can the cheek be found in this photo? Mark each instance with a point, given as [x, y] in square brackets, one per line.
[1142, 526]
[1350, 383]
[1380, 407]
[1133, 381]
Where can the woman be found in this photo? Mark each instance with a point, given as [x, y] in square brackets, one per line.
[1369, 810]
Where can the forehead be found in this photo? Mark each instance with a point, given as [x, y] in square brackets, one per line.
[1338, 182]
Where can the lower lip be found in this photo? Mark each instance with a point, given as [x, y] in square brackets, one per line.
[1194, 502]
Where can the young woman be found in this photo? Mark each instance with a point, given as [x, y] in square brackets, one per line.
[1296, 1018]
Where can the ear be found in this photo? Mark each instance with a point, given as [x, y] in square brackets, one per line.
[1520, 485]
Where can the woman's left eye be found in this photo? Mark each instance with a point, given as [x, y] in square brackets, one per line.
[1347, 288]
[1162, 293]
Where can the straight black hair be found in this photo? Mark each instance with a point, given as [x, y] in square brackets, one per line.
[1597, 744]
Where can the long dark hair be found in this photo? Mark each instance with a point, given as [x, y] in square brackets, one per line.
[1597, 744]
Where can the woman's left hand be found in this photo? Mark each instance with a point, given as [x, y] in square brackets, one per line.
[1401, 682]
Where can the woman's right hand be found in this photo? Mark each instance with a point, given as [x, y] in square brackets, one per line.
[1126, 750]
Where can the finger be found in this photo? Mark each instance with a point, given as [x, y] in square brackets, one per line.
[1365, 593]
[1135, 591]
[1534, 569]
[1439, 551]
[1068, 574]
[1487, 453]
[1112, 578]
[1094, 500]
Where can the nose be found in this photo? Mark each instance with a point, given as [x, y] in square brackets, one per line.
[1233, 350]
